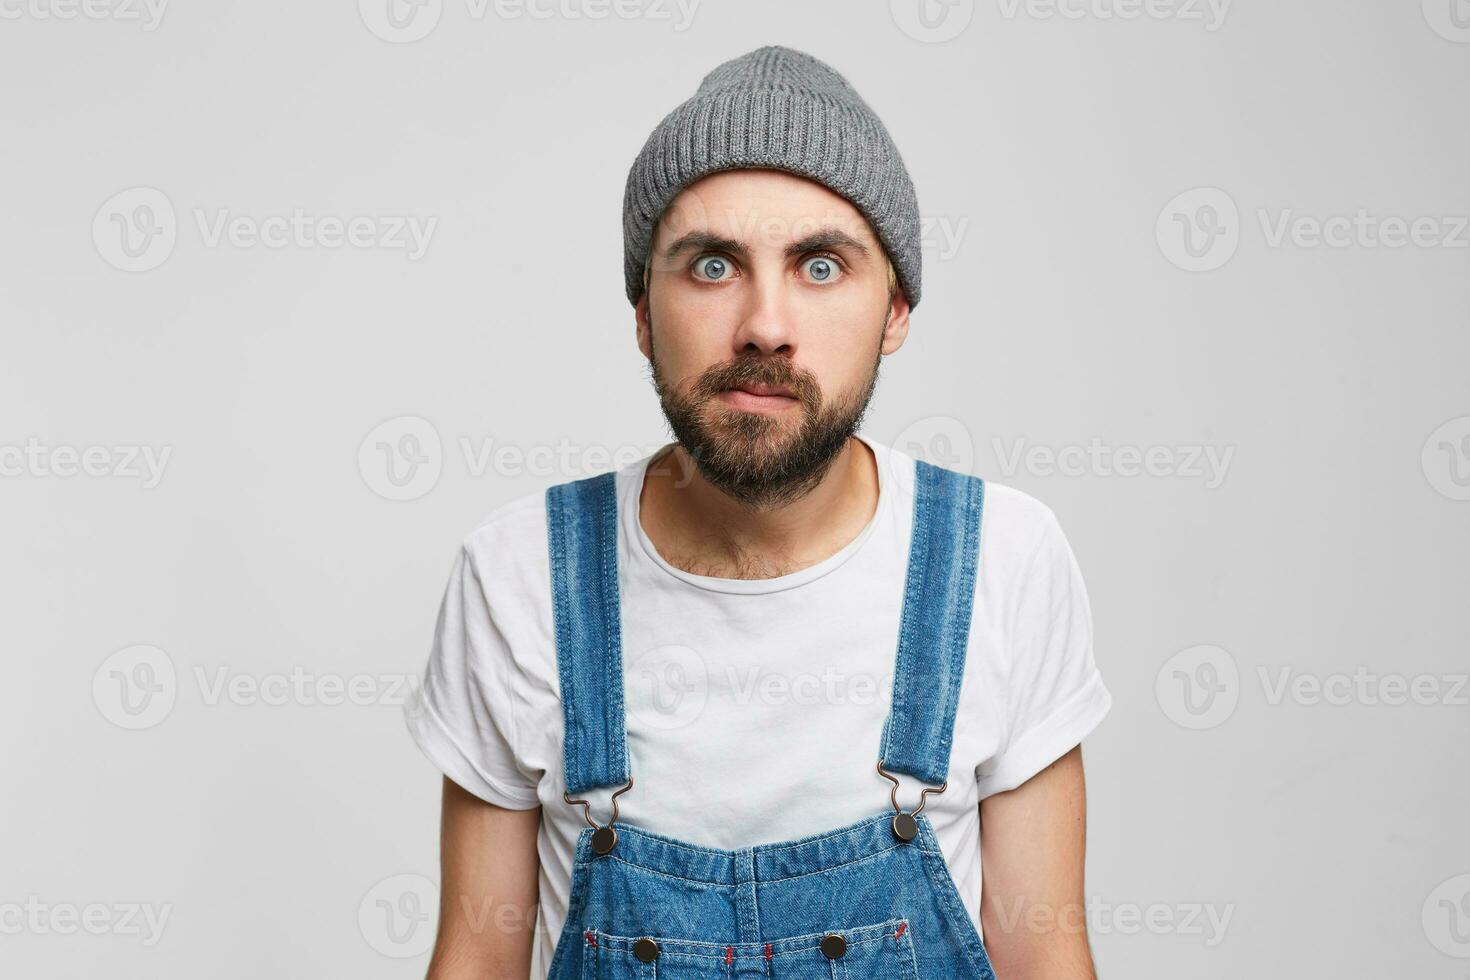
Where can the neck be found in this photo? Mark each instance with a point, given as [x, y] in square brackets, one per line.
[698, 528]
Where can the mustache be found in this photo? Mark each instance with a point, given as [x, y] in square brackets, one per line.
[776, 372]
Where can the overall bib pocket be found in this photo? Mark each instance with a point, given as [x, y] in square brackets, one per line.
[880, 951]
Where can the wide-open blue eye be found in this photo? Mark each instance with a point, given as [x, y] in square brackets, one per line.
[714, 267]
[823, 269]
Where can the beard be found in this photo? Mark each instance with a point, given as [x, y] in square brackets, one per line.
[762, 461]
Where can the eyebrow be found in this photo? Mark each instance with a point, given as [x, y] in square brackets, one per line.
[824, 238]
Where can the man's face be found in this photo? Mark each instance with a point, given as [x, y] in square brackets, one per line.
[765, 320]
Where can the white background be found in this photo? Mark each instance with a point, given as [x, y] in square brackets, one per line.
[1062, 314]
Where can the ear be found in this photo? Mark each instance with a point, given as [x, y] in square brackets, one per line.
[644, 326]
[897, 330]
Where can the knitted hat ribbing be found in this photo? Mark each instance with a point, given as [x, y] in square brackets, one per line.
[784, 109]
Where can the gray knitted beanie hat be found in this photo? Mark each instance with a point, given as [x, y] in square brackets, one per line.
[784, 109]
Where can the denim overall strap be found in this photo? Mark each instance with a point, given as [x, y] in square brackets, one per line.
[935, 627]
[582, 529]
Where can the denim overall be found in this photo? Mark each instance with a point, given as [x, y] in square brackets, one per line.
[873, 899]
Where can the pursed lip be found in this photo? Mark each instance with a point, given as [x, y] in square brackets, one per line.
[766, 390]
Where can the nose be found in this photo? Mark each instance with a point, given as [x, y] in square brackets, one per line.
[768, 325]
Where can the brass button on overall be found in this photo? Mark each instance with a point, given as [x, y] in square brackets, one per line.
[905, 827]
[646, 950]
[603, 839]
[833, 946]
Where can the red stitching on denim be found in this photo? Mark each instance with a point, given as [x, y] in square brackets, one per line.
[901, 927]
[591, 938]
[729, 955]
[768, 951]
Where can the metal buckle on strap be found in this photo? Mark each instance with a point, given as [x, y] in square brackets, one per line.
[603, 838]
[905, 827]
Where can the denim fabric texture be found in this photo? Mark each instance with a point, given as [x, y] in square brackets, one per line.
[764, 910]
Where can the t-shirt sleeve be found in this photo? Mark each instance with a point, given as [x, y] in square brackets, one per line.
[1055, 694]
[462, 714]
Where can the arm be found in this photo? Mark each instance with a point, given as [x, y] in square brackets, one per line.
[487, 905]
[1032, 845]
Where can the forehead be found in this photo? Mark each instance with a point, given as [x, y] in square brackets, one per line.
[761, 207]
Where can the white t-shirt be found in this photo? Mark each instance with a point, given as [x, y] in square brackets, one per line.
[754, 708]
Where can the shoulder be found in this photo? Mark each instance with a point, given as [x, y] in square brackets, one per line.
[511, 541]
[1018, 531]
[513, 522]
[507, 548]
[1028, 572]
[1023, 551]
[1015, 526]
